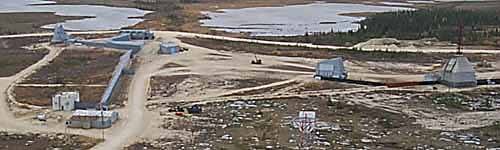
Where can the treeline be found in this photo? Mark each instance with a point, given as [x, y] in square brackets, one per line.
[167, 11]
[480, 27]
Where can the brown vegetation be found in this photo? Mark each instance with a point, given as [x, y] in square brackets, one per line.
[37, 141]
[268, 123]
[166, 86]
[294, 51]
[42, 96]
[77, 66]
[29, 22]
[171, 65]
[14, 58]
[120, 93]
[325, 85]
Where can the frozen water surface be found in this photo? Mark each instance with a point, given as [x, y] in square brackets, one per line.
[103, 17]
[291, 20]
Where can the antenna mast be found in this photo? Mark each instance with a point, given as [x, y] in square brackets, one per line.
[460, 36]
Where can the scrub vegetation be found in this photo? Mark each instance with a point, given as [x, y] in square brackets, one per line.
[14, 58]
[351, 54]
[481, 27]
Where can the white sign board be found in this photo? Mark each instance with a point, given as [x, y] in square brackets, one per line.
[306, 122]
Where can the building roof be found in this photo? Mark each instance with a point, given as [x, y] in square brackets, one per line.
[458, 64]
[133, 31]
[93, 113]
[169, 44]
[333, 60]
[89, 118]
[59, 34]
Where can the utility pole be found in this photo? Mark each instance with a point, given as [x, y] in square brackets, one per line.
[460, 37]
[102, 120]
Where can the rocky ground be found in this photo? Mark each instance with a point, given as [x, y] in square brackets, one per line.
[340, 124]
[44, 141]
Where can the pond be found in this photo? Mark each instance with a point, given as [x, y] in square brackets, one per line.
[291, 20]
[100, 17]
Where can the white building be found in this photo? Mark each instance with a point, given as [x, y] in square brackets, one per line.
[65, 101]
[459, 72]
[306, 122]
[92, 119]
[331, 69]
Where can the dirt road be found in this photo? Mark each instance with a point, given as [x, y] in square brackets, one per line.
[187, 34]
[7, 119]
[136, 117]
[426, 50]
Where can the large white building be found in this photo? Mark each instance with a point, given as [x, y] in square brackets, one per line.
[92, 119]
[65, 101]
[458, 72]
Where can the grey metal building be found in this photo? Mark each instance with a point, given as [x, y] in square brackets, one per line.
[331, 69]
[60, 35]
[139, 34]
[169, 48]
[458, 72]
[121, 37]
[92, 119]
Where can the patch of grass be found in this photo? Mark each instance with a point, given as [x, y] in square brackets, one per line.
[40, 141]
[351, 54]
[77, 66]
[29, 22]
[14, 58]
[325, 85]
[452, 100]
[42, 96]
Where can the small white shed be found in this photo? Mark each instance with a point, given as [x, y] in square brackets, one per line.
[65, 101]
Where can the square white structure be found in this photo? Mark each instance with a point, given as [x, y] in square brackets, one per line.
[65, 101]
[459, 72]
[331, 69]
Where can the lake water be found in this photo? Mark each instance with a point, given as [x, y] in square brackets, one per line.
[396, 4]
[291, 20]
[104, 17]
